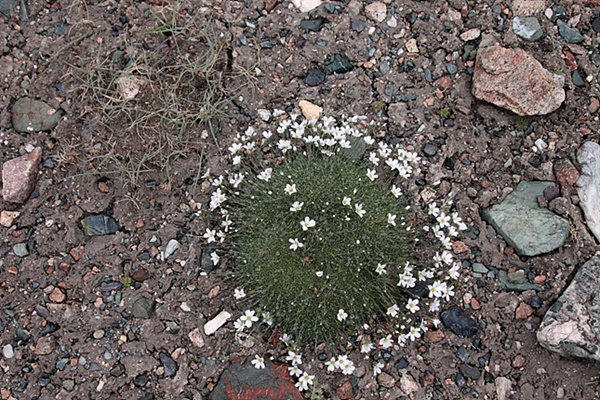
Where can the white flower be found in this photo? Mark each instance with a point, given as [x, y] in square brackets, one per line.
[237, 160]
[392, 311]
[286, 339]
[378, 368]
[267, 134]
[235, 147]
[295, 371]
[346, 201]
[453, 272]
[296, 206]
[443, 220]
[396, 191]
[267, 318]
[380, 269]
[248, 318]
[413, 305]
[265, 175]
[239, 293]
[452, 231]
[210, 235]
[284, 145]
[295, 244]
[436, 322]
[372, 174]
[391, 219]
[358, 208]
[341, 315]
[366, 347]
[216, 199]
[295, 359]
[369, 140]
[307, 223]
[373, 158]
[290, 189]
[386, 342]
[239, 325]
[304, 381]
[258, 362]
[437, 289]
[434, 306]
[434, 210]
[331, 364]
[348, 367]
[214, 257]
[319, 273]
[414, 333]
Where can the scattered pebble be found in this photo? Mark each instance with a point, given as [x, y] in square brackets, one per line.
[7, 351]
[172, 247]
[459, 322]
[143, 308]
[214, 324]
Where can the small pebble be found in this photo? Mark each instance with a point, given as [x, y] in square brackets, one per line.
[7, 351]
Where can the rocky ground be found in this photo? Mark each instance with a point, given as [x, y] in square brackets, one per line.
[116, 307]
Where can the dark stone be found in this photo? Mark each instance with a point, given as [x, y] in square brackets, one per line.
[141, 380]
[551, 193]
[577, 79]
[50, 327]
[469, 371]
[462, 354]
[110, 285]
[459, 322]
[358, 26]
[143, 308]
[596, 24]
[117, 370]
[313, 24]
[95, 225]
[337, 64]
[535, 302]
[169, 365]
[244, 382]
[315, 77]
[401, 364]
[430, 149]
[460, 380]
[206, 263]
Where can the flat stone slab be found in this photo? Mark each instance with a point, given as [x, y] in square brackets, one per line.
[588, 185]
[526, 226]
[29, 115]
[245, 382]
[571, 327]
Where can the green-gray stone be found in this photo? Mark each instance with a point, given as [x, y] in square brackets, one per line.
[528, 28]
[30, 115]
[577, 79]
[337, 64]
[357, 149]
[143, 308]
[480, 268]
[20, 250]
[571, 35]
[514, 281]
[524, 225]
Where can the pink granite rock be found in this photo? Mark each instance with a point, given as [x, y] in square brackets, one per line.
[19, 176]
[513, 79]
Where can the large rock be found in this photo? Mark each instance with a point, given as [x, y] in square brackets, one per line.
[527, 227]
[19, 176]
[588, 185]
[244, 382]
[30, 115]
[513, 79]
[571, 327]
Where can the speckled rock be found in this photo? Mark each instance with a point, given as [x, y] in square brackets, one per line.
[513, 79]
[571, 327]
[588, 185]
[244, 382]
[19, 176]
[29, 115]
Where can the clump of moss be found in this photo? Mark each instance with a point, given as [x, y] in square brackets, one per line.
[310, 240]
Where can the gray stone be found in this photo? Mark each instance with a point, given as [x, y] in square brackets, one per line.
[143, 308]
[6, 6]
[168, 364]
[172, 247]
[571, 35]
[459, 322]
[524, 225]
[503, 386]
[20, 250]
[571, 327]
[588, 185]
[517, 281]
[30, 115]
[7, 351]
[528, 28]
